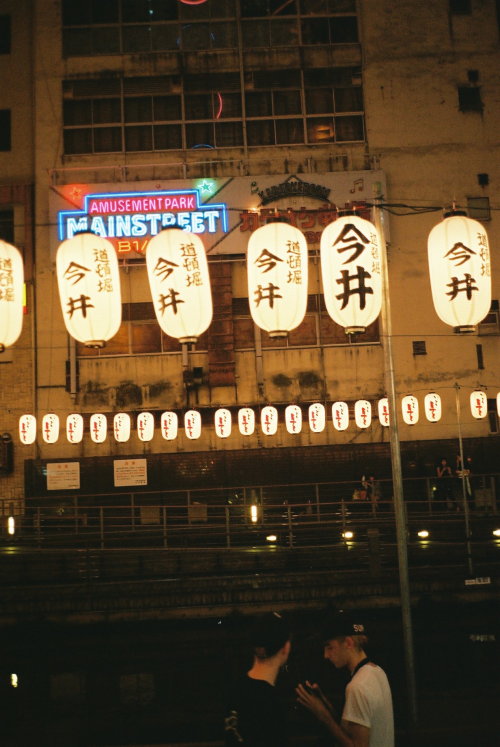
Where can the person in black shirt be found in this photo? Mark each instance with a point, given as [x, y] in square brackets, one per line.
[256, 716]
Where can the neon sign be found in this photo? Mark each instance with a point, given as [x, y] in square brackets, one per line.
[132, 215]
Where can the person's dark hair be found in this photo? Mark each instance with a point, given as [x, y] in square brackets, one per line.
[269, 634]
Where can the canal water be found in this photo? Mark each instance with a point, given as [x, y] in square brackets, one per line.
[166, 682]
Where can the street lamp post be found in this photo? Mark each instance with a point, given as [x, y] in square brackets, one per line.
[397, 476]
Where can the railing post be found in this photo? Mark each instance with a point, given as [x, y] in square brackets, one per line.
[290, 529]
[228, 527]
[164, 518]
[101, 525]
[38, 527]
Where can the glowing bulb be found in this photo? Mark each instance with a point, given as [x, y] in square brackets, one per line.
[423, 534]
[348, 535]
[11, 525]
[14, 680]
[254, 513]
[271, 538]
[496, 532]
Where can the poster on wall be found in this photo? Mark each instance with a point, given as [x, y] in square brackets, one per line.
[223, 211]
[63, 475]
[129, 472]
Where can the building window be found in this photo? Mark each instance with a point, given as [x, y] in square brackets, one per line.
[5, 142]
[491, 322]
[492, 415]
[419, 347]
[469, 99]
[460, 7]
[479, 208]
[7, 226]
[480, 357]
[4, 34]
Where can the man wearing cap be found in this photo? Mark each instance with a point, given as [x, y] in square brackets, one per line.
[367, 718]
[256, 716]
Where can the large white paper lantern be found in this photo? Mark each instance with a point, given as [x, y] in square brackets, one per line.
[498, 404]
[246, 421]
[145, 426]
[351, 272]
[223, 422]
[340, 416]
[89, 288]
[180, 284]
[74, 428]
[269, 420]
[479, 404]
[459, 267]
[122, 425]
[293, 419]
[11, 294]
[383, 412]
[317, 417]
[409, 409]
[27, 429]
[169, 424]
[50, 428]
[432, 407]
[192, 424]
[98, 427]
[363, 413]
[277, 277]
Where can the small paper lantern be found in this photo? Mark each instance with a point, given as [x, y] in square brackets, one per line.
[11, 294]
[145, 426]
[351, 272]
[363, 413]
[169, 424]
[293, 419]
[269, 420]
[246, 421]
[277, 267]
[432, 407]
[74, 428]
[409, 409]
[317, 417]
[479, 404]
[192, 424]
[121, 426]
[180, 284]
[223, 422]
[383, 412]
[98, 427]
[50, 428]
[89, 288]
[27, 429]
[459, 267]
[340, 416]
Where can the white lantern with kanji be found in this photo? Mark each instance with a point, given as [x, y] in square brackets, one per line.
[269, 420]
[27, 429]
[74, 428]
[293, 419]
[383, 412]
[363, 413]
[50, 428]
[11, 295]
[122, 425]
[192, 424]
[98, 427]
[277, 277]
[89, 288]
[145, 426]
[479, 404]
[169, 424]
[432, 407]
[317, 417]
[340, 416]
[459, 267]
[351, 272]
[246, 421]
[180, 284]
[409, 409]
[223, 422]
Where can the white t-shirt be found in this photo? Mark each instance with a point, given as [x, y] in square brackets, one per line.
[369, 703]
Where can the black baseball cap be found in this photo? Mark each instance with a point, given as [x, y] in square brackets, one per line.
[269, 634]
[343, 623]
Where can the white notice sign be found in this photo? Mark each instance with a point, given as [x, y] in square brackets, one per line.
[130, 472]
[63, 475]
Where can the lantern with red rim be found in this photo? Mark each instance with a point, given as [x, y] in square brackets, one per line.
[409, 409]
[293, 419]
[479, 404]
[192, 424]
[340, 416]
[98, 427]
[169, 423]
[145, 426]
[223, 422]
[74, 428]
[363, 413]
[383, 412]
[246, 421]
[317, 417]
[27, 429]
[50, 428]
[432, 407]
[269, 420]
[122, 426]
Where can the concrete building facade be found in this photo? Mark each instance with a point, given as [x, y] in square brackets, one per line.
[263, 106]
